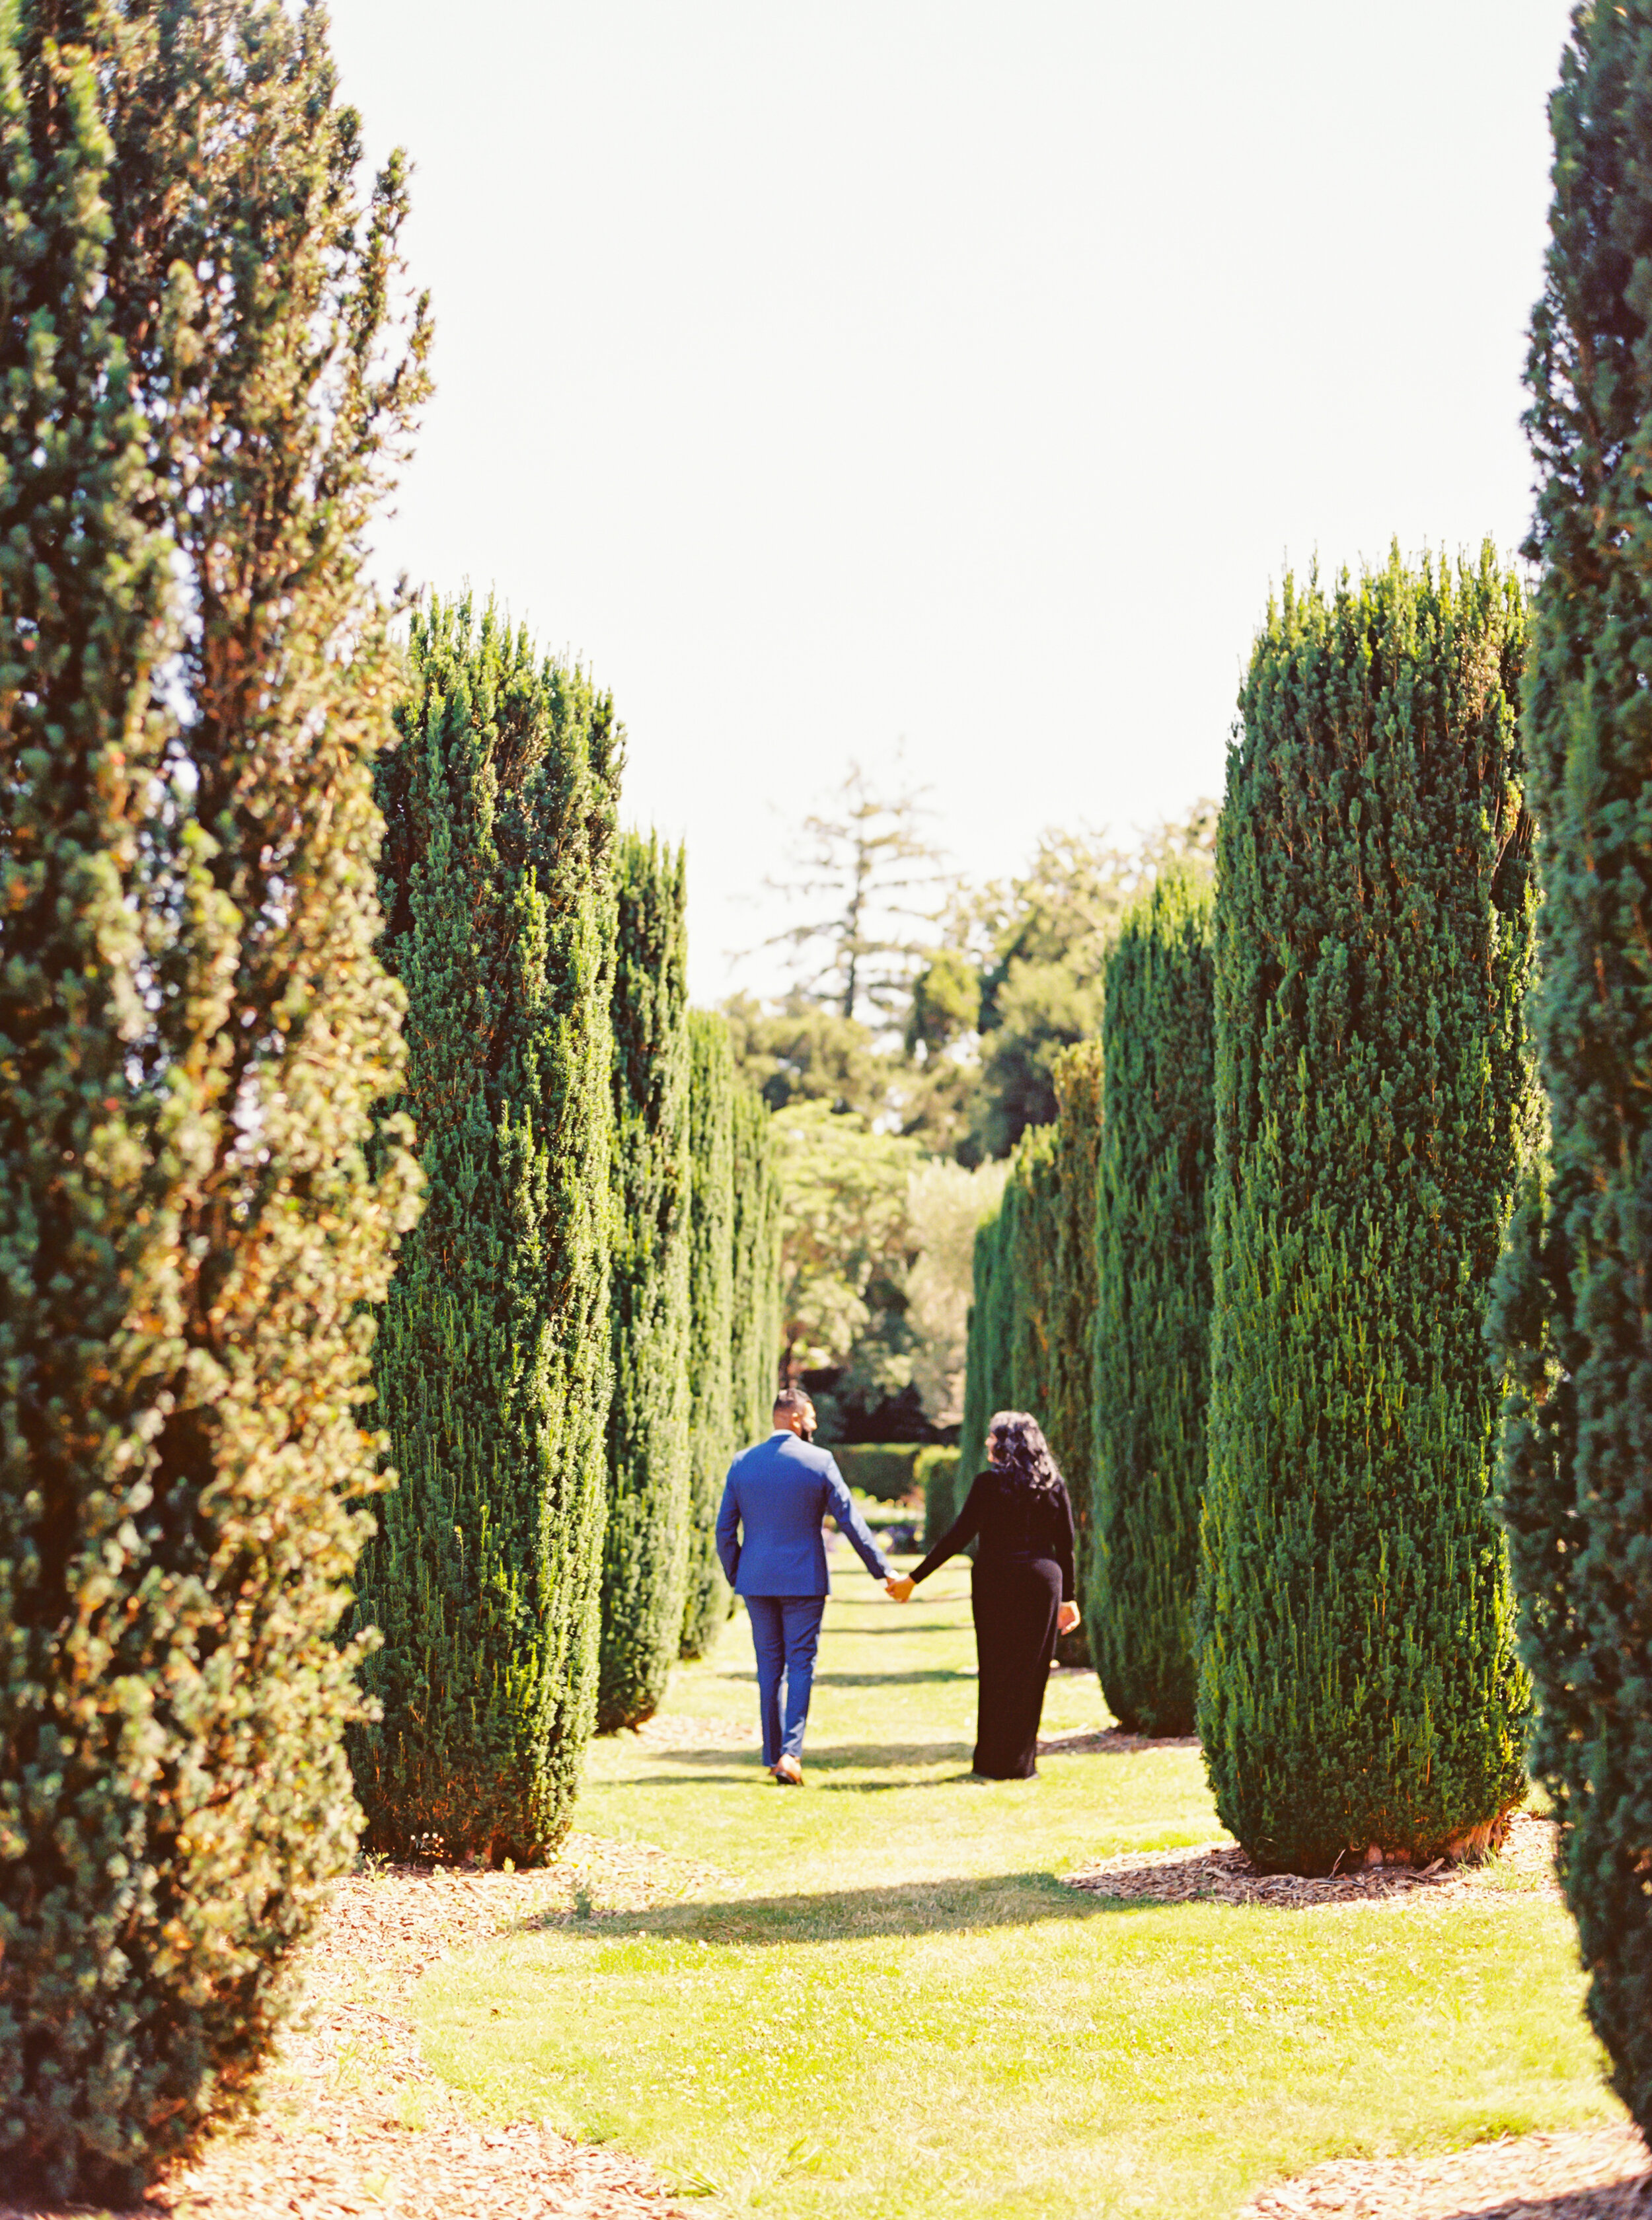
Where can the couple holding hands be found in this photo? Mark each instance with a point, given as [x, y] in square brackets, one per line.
[1018, 1512]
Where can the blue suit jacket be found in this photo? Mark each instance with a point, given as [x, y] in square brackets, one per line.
[768, 1525]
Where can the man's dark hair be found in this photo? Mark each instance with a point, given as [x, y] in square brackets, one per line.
[793, 1399]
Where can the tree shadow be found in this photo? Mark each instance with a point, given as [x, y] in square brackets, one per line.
[905, 1909]
[916, 1675]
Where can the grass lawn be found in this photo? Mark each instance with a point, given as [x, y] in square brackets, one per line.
[886, 2005]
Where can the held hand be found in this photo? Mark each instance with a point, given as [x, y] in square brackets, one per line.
[1067, 1618]
[899, 1586]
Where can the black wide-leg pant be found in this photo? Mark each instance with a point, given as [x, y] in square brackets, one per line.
[1015, 1600]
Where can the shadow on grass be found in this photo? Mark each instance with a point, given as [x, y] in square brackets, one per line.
[908, 1909]
[917, 1675]
[835, 1757]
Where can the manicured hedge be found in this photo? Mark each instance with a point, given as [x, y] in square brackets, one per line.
[939, 1472]
[1359, 1691]
[645, 1552]
[886, 1470]
[492, 1361]
[1575, 1319]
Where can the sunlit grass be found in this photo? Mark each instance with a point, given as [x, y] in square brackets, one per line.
[889, 2005]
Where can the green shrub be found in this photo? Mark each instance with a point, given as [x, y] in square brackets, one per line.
[885, 1470]
[1574, 1314]
[204, 398]
[1358, 1685]
[644, 1548]
[492, 1361]
[1014, 1320]
[755, 1357]
[1151, 1327]
[711, 1325]
[939, 1472]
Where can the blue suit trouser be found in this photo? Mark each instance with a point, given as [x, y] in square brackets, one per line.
[785, 1633]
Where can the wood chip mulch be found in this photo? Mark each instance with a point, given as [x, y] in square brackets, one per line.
[353, 2121]
[678, 1730]
[1223, 1875]
[1593, 2173]
[1108, 1741]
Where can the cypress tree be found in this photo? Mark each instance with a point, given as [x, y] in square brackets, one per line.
[492, 1361]
[204, 395]
[1151, 1322]
[985, 1369]
[645, 1557]
[1068, 1421]
[711, 1332]
[755, 1362]
[1009, 1360]
[1358, 1689]
[1573, 1319]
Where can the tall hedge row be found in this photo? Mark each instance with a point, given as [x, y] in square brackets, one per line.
[754, 1362]
[1034, 1293]
[644, 1550]
[711, 1320]
[193, 1028]
[1573, 1317]
[492, 1362]
[1150, 1344]
[1008, 1361]
[1359, 1691]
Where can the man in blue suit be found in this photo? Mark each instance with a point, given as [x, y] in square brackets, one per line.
[768, 1539]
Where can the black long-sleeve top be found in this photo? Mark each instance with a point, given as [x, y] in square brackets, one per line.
[1012, 1520]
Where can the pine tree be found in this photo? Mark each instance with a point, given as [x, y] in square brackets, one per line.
[1573, 1322]
[755, 1362]
[645, 1557]
[1358, 1688]
[492, 1361]
[711, 1299]
[204, 395]
[1151, 1322]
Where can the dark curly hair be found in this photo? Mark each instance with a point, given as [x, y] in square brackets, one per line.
[1022, 1455]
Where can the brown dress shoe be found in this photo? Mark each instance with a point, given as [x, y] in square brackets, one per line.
[787, 1772]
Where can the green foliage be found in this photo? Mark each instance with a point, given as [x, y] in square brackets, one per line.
[1374, 1097]
[193, 1029]
[1010, 1363]
[945, 1205]
[1152, 1343]
[888, 1470]
[1030, 1325]
[935, 1473]
[1069, 1236]
[755, 1362]
[1047, 934]
[1573, 1315]
[711, 1331]
[644, 1550]
[844, 1199]
[492, 1361]
[805, 1052]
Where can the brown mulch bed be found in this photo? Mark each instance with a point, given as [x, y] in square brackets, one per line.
[678, 1730]
[1108, 1741]
[353, 2121]
[1223, 1875]
[1593, 2173]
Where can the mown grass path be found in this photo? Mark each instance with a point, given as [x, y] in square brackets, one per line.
[888, 2006]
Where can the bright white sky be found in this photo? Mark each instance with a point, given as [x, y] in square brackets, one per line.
[828, 377]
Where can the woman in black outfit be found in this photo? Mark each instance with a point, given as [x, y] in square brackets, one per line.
[1021, 1591]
